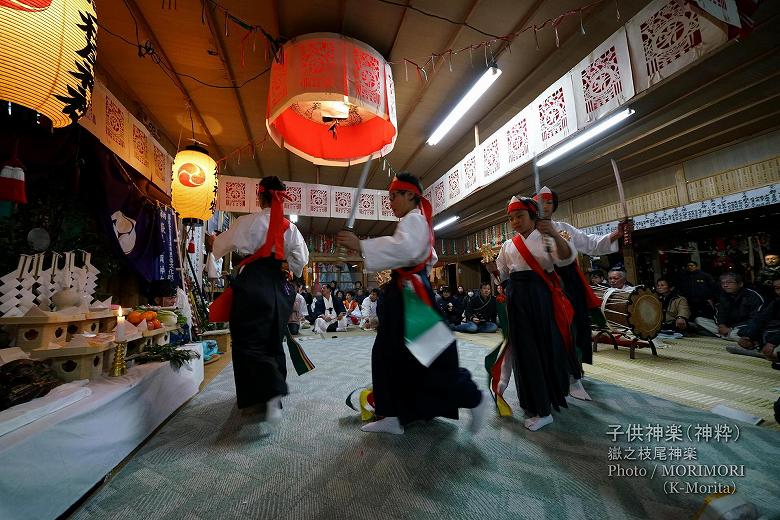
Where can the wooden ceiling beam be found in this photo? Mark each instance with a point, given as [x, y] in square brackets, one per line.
[216, 34]
[146, 28]
[426, 84]
[501, 49]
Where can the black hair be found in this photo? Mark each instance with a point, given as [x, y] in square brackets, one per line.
[662, 279]
[734, 276]
[694, 262]
[269, 184]
[596, 272]
[533, 213]
[162, 289]
[484, 284]
[408, 177]
[350, 293]
[375, 291]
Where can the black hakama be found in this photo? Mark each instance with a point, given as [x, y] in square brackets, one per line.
[405, 388]
[575, 292]
[262, 303]
[541, 363]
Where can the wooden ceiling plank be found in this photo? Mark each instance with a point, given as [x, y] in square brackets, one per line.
[216, 34]
[426, 84]
[146, 28]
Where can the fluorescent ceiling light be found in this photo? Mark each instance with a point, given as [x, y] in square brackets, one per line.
[587, 135]
[293, 218]
[464, 104]
[445, 223]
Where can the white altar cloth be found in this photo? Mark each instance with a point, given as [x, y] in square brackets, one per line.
[49, 464]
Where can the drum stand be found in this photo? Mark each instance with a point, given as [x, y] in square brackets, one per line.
[621, 339]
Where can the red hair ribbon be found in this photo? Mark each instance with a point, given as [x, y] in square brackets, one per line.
[276, 224]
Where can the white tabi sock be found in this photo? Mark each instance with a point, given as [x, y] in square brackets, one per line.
[577, 391]
[534, 423]
[273, 409]
[479, 413]
[386, 425]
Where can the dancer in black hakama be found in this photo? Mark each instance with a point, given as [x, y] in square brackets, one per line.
[539, 314]
[262, 298]
[575, 286]
[405, 390]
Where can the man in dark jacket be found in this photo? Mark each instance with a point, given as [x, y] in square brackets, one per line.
[736, 306]
[761, 336]
[451, 308]
[700, 289]
[480, 312]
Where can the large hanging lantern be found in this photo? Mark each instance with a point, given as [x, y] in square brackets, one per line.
[47, 56]
[332, 100]
[194, 184]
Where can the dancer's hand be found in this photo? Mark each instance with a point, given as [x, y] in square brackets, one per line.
[348, 239]
[210, 242]
[545, 226]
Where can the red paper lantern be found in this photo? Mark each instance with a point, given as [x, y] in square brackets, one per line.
[332, 100]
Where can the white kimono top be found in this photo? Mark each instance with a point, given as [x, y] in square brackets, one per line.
[593, 245]
[368, 309]
[509, 259]
[247, 235]
[409, 246]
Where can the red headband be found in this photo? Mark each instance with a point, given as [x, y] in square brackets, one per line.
[546, 197]
[519, 205]
[397, 185]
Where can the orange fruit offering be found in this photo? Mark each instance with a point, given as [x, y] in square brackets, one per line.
[135, 317]
[149, 315]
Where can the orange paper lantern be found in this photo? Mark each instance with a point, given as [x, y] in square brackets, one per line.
[47, 56]
[194, 184]
[331, 100]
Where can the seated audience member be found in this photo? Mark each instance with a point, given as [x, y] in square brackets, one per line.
[298, 314]
[368, 317]
[330, 313]
[460, 295]
[360, 293]
[674, 308]
[597, 278]
[480, 312]
[736, 306]
[352, 308]
[761, 336]
[450, 306]
[768, 274]
[617, 280]
[700, 289]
